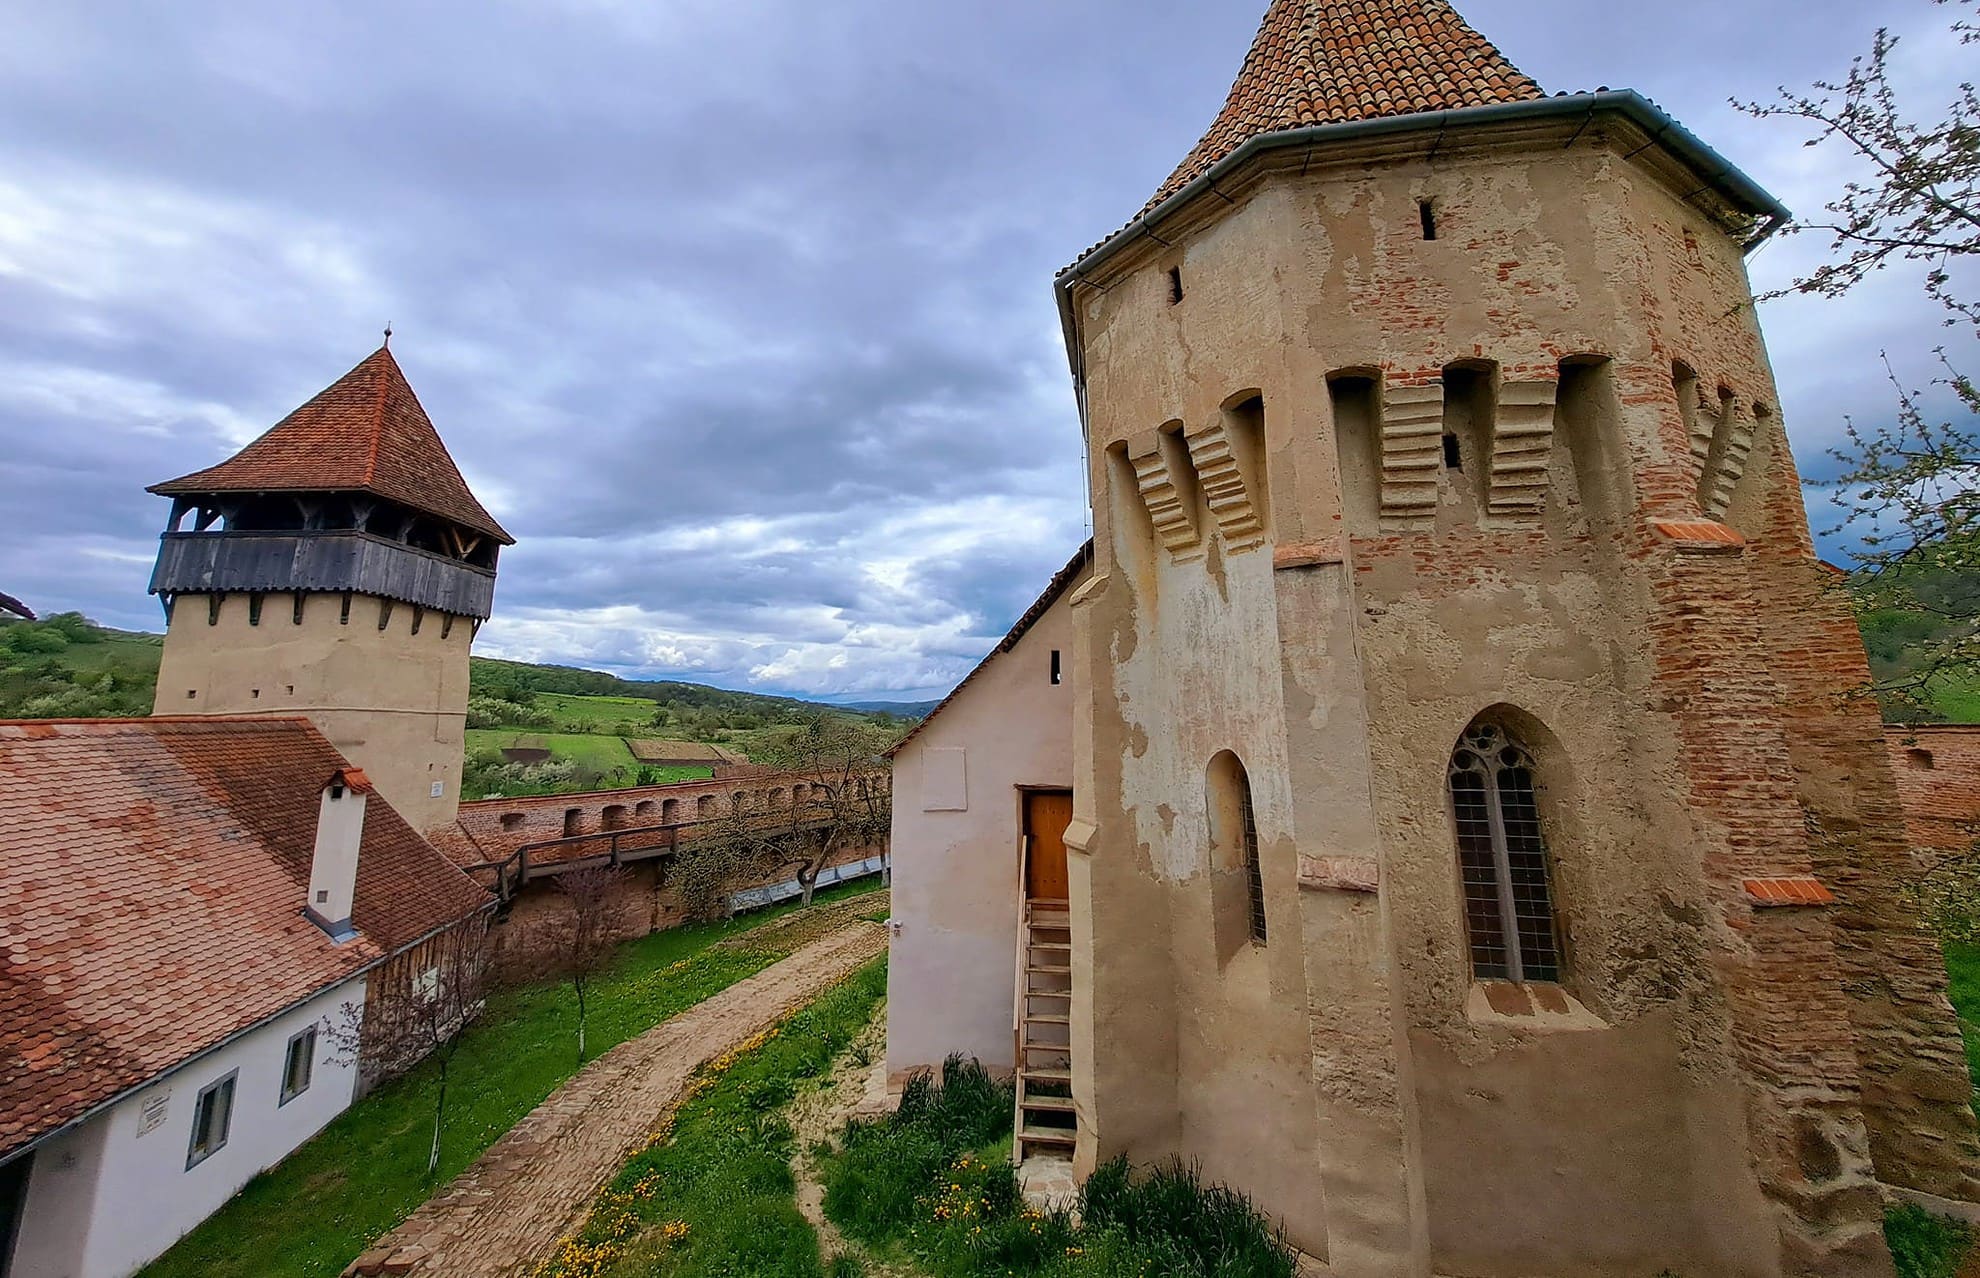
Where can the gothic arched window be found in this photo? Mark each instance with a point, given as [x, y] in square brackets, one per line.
[1508, 901]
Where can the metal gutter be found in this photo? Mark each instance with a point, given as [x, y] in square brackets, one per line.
[1718, 173]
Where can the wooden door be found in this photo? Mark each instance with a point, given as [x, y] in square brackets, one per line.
[1047, 813]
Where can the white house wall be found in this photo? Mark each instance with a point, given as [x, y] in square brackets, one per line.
[103, 1200]
[950, 977]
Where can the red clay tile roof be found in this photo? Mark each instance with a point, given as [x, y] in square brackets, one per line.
[153, 874]
[1327, 61]
[366, 432]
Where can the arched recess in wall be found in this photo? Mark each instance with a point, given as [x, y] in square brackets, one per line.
[1588, 419]
[1132, 531]
[1506, 831]
[705, 806]
[1237, 881]
[1354, 394]
[670, 811]
[1471, 407]
[1244, 426]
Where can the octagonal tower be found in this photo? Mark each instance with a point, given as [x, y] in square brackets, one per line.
[1467, 702]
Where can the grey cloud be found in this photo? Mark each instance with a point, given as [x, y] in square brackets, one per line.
[737, 313]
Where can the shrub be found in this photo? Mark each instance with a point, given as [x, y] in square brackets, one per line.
[32, 640]
[1924, 1245]
[1182, 1225]
[876, 1185]
[935, 1180]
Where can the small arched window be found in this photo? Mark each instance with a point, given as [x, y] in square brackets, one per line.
[1508, 899]
[1234, 843]
[1919, 758]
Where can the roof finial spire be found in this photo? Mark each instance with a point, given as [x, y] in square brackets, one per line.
[388, 335]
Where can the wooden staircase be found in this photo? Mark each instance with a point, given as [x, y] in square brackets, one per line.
[1045, 1121]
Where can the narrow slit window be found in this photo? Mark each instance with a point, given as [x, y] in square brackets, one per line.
[1254, 878]
[1057, 673]
[1427, 215]
[1502, 859]
[1175, 285]
[1453, 458]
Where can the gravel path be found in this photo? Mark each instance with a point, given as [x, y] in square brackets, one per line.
[508, 1209]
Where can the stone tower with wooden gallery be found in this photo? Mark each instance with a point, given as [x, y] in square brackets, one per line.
[337, 567]
[1477, 856]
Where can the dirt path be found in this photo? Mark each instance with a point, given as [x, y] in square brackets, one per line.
[853, 1089]
[508, 1209]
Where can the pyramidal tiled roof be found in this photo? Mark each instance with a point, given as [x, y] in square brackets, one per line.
[365, 432]
[1329, 61]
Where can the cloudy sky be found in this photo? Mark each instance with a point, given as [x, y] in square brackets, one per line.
[736, 312]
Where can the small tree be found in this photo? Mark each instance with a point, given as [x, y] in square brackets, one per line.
[847, 803]
[409, 1016]
[584, 941]
[1907, 487]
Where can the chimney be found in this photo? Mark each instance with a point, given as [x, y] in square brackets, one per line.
[333, 868]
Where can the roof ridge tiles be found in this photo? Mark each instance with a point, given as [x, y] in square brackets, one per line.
[1331, 61]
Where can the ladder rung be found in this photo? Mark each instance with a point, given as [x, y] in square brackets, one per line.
[1061, 1104]
[1049, 1136]
[1047, 1074]
[1049, 971]
[1047, 1018]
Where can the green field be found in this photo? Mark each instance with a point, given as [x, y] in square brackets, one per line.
[590, 714]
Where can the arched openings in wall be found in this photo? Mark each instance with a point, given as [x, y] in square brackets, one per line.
[1355, 396]
[1230, 463]
[705, 806]
[1588, 420]
[1503, 865]
[1470, 407]
[615, 817]
[1237, 881]
[670, 811]
[643, 811]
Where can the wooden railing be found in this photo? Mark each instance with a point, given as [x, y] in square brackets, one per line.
[547, 858]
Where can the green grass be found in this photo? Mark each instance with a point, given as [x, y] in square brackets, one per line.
[590, 714]
[315, 1212]
[586, 750]
[1924, 1245]
[932, 1185]
[713, 1194]
[1963, 976]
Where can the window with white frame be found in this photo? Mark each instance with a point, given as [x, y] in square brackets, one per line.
[298, 1065]
[213, 1116]
[1502, 859]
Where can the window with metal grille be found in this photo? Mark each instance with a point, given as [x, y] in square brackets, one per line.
[1254, 881]
[1502, 859]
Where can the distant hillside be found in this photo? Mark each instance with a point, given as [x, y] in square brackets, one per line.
[531, 729]
[898, 709]
[66, 667]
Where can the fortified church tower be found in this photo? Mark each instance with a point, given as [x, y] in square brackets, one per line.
[336, 567]
[1476, 856]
